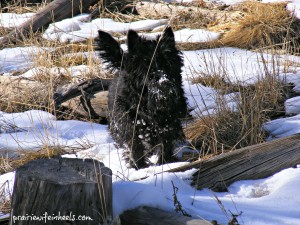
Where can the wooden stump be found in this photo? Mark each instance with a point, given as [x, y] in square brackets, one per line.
[62, 191]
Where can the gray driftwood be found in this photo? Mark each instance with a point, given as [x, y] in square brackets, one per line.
[85, 88]
[53, 12]
[94, 107]
[62, 187]
[88, 98]
[152, 216]
[253, 162]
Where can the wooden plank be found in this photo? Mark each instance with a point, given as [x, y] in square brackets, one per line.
[253, 162]
[152, 216]
[64, 189]
[53, 12]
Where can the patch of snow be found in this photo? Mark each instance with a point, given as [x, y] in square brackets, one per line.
[12, 20]
[283, 127]
[188, 35]
[79, 28]
[19, 58]
[292, 106]
[40, 128]
[72, 71]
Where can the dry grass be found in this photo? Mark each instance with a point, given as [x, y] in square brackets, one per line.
[214, 134]
[264, 25]
[21, 6]
[5, 198]
[228, 130]
[10, 164]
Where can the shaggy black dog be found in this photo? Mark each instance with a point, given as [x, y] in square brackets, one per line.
[146, 98]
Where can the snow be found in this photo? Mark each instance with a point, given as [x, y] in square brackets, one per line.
[188, 35]
[292, 106]
[38, 128]
[19, 58]
[11, 20]
[72, 71]
[283, 127]
[271, 201]
[80, 28]
[237, 65]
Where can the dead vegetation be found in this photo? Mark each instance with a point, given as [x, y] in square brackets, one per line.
[264, 25]
[8, 164]
[252, 25]
[228, 129]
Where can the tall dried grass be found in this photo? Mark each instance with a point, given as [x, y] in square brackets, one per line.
[264, 25]
[8, 164]
[226, 129]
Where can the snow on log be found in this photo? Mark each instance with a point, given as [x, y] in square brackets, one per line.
[252, 162]
[54, 11]
[67, 190]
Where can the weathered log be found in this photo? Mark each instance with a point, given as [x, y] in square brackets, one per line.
[62, 191]
[253, 162]
[87, 87]
[152, 216]
[54, 11]
[97, 109]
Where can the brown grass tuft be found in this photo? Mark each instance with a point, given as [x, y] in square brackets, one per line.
[264, 25]
[229, 130]
[215, 133]
[10, 164]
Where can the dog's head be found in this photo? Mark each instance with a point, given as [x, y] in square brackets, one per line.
[143, 56]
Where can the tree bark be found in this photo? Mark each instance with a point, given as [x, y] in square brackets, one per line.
[63, 188]
[253, 162]
[54, 11]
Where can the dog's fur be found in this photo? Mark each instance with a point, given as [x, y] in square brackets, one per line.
[146, 98]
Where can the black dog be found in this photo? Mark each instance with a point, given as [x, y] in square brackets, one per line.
[146, 98]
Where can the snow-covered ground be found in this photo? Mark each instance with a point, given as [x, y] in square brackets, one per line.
[271, 201]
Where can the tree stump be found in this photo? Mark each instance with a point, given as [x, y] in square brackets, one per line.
[62, 191]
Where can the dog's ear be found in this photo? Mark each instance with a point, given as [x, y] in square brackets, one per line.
[167, 40]
[110, 50]
[132, 40]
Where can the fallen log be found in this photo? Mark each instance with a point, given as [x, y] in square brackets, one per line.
[86, 87]
[95, 107]
[252, 162]
[152, 216]
[54, 11]
[62, 191]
